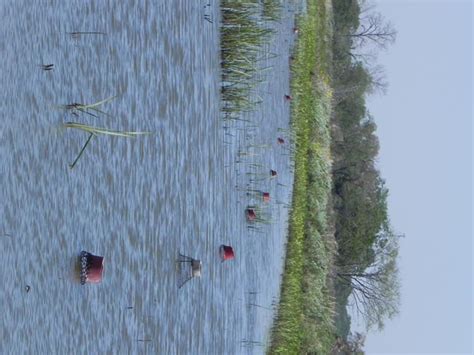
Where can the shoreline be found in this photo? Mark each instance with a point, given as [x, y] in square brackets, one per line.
[304, 319]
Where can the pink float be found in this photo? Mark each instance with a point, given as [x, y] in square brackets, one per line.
[251, 215]
[266, 197]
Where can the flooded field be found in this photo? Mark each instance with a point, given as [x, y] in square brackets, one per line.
[140, 201]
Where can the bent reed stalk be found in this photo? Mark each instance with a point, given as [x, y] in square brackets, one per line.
[95, 131]
[84, 107]
[103, 131]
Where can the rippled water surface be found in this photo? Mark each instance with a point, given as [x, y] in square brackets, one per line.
[138, 202]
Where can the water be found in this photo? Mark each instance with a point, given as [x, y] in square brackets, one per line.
[136, 202]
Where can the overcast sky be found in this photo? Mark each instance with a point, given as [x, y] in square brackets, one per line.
[425, 131]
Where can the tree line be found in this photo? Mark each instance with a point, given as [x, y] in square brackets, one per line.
[366, 271]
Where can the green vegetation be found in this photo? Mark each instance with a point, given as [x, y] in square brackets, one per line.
[341, 248]
[244, 30]
[304, 323]
[271, 10]
[366, 269]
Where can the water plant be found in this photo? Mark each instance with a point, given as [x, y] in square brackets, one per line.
[73, 107]
[244, 30]
[95, 131]
[271, 10]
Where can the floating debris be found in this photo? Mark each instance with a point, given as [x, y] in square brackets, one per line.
[78, 34]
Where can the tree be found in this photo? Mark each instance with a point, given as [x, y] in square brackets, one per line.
[376, 288]
[374, 33]
[375, 30]
[353, 345]
[366, 265]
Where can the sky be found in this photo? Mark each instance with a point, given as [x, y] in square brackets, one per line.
[425, 132]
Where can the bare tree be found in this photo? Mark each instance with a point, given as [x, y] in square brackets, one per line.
[376, 289]
[373, 34]
[374, 30]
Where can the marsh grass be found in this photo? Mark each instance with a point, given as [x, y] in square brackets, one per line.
[244, 30]
[271, 10]
[263, 216]
[304, 323]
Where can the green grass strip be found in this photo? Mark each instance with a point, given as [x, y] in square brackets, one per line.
[304, 320]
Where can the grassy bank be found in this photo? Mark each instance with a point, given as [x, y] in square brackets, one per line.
[304, 323]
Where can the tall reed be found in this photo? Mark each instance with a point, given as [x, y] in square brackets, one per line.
[244, 30]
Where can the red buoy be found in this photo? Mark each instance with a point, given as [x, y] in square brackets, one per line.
[280, 140]
[251, 215]
[91, 267]
[288, 98]
[266, 197]
[226, 252]
[273, 172]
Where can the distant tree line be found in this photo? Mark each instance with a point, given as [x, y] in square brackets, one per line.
[366, 268]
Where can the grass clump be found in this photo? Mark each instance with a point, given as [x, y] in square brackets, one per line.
[304, 323]
[271, 10]
[244, 29]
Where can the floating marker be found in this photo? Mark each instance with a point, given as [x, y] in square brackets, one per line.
[226, 252]
[251, 215]
[266, 197]
[91, 267]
